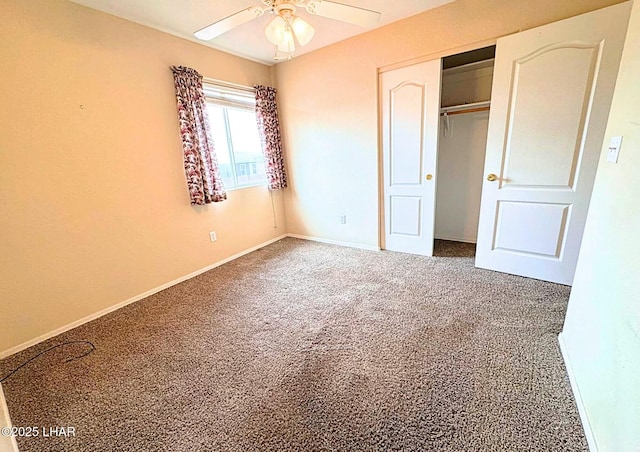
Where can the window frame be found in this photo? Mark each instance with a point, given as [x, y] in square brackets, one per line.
[230, 96]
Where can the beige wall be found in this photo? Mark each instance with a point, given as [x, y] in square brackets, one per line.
[328, 105]
[93, 201]
[602, 329]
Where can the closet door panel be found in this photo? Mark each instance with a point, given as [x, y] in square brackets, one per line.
[410, 108]
[406, 124]
[551, 94]
[551, 159]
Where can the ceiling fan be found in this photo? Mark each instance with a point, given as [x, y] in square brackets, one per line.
[286, 28]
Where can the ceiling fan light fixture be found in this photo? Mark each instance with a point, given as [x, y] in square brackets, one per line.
[283, 31]
[303, 31]
[286, 27]
[275, 31]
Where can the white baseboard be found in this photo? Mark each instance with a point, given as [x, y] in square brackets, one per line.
[117, 306]
[591, 440]
[335, 242]
[7, 443]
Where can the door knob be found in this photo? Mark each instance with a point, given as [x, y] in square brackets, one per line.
[429, 177]
[491, 177]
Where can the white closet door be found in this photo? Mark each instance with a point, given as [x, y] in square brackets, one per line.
[551, 94]
[410, 100]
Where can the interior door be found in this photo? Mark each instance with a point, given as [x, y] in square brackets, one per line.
[552, 89]
[410, 109]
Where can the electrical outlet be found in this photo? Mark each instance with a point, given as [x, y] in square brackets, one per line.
[212, 236]
[343, 219]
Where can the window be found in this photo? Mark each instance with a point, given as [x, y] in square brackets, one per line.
[235, 134]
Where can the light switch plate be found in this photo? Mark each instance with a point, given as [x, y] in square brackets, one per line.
[614, 149]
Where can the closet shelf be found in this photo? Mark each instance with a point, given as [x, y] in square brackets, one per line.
[466, 108]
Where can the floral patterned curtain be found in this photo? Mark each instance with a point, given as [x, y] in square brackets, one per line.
[269, 128]
[200, 162]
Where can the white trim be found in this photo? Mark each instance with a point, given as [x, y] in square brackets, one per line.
[335, 242]
[7, 443]
[117, 306]
[588, 432]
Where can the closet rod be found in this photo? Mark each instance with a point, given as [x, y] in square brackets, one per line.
[468, 110]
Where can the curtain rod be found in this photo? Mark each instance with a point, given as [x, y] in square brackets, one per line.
[229, 84]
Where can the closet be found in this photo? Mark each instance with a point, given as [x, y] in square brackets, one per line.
[516, 181]
[434, 117]
[464, 118]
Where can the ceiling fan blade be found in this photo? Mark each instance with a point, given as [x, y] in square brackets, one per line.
[344, 13]
[222, 26]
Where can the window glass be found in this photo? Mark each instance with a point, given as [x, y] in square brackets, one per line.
[219, 133]
[235, 134]
[246, 147]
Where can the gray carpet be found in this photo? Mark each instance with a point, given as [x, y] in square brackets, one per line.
[302, 346]
[447, 248]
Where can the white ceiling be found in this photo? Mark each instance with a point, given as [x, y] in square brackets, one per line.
[182, 18]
